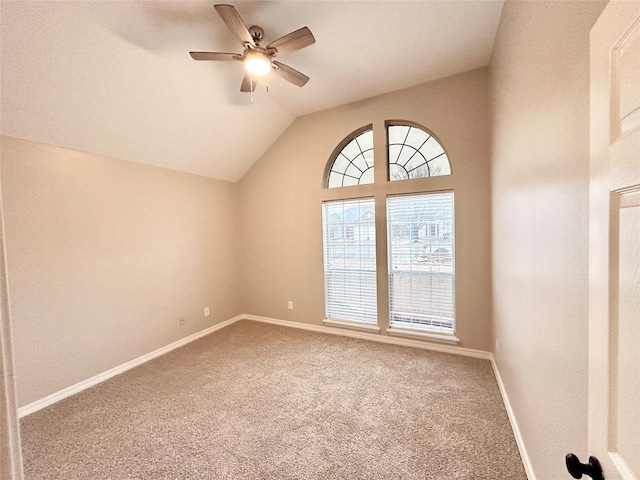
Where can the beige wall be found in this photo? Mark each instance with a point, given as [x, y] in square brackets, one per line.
[104, 256]
[540, 165]
[282, 193]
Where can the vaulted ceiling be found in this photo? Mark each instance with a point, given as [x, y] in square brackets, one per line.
[116, 79]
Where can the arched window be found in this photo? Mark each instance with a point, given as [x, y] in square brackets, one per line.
[418, 225]
[414, 153]
[352, 161]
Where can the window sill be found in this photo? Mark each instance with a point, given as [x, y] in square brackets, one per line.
[362, 327]
[450, 339]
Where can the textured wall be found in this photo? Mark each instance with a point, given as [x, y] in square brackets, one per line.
[104, 257]
[282, 195]
[540, 168]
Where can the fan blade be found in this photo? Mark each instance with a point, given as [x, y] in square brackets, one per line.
[290, 74]
[248, 83]
[232, 18]
[215, 56]
[294, 41]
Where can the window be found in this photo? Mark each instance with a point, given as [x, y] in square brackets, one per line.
[419, 227]
[353, 162]
[349, 239]
[421, 261]
[414, 153]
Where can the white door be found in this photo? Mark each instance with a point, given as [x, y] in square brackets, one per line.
[614, 242]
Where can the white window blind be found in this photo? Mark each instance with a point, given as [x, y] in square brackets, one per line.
[350, 260]
[420, 231]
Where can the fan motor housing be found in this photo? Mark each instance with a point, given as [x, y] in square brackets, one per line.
[256, 33]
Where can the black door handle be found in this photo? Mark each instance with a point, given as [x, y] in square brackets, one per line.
[577, 469]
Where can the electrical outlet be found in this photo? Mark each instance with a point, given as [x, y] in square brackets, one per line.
[206, 311]
[182, 320]
[290, 305]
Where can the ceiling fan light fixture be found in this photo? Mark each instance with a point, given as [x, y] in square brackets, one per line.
[259, 61]
[257, 64]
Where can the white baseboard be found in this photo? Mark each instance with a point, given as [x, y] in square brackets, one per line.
[406, 342]
[101, 377]
[528, 468]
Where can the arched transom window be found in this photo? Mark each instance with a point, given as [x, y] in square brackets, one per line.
[414, 153]
[353, 162]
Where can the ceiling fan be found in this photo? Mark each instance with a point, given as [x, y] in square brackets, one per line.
[259, 61]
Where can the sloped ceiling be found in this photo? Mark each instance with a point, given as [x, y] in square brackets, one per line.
[115, 78]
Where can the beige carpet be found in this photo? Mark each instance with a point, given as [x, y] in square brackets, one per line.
[257, 401]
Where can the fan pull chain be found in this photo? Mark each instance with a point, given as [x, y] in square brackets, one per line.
[251, 88]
